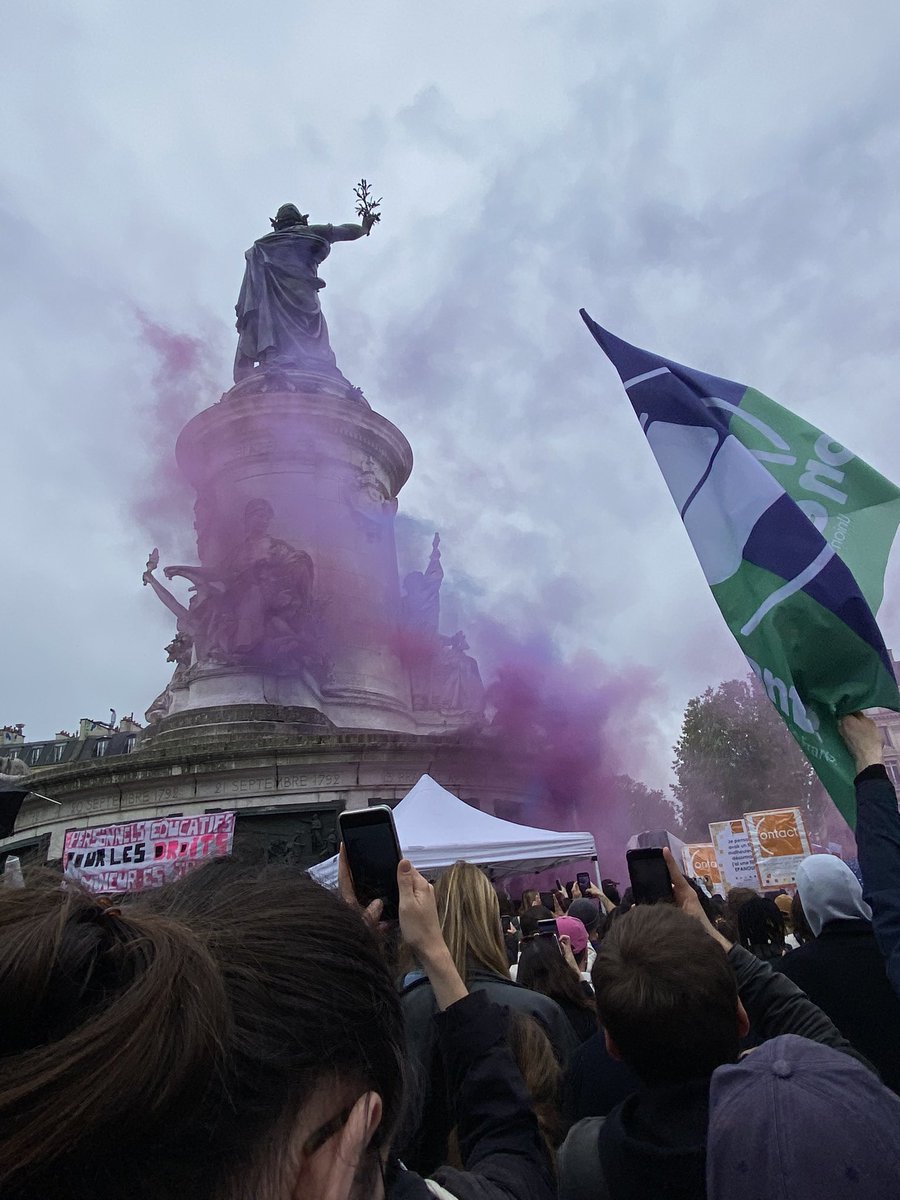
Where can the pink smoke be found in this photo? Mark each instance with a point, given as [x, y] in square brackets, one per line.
[577, 722]
[184, 382]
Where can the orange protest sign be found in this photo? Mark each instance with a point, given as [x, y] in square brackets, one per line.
[700, 863]
[779, 841]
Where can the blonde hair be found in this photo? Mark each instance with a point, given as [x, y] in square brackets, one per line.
[469, 913]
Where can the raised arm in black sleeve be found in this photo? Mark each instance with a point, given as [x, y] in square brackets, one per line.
[878, 840]
[500, 1144]
[775, 1005]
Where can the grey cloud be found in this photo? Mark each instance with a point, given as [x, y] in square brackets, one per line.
[698, 185]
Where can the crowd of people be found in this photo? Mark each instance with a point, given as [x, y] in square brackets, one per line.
[245, 1033]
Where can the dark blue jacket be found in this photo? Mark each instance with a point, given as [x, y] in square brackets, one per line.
[878, 840]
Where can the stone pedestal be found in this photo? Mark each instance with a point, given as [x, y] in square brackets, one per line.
[322, 472]
[286, 774]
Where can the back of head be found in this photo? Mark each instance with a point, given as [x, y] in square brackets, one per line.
[666, 995]
[469, 913]
[737, 898]
[761, 927]
[734, 902]
[829, 891]
[528, 922]
[170, 1046]
[543, 969]
[785, 906]
[586, 911]
[799, 1119]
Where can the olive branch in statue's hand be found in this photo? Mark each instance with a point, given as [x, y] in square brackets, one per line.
[367, 208]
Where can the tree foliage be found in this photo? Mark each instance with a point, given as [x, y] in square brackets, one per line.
[735, 755]
[647, 808]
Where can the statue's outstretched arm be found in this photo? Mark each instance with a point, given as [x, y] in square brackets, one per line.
[434, 570]
[174, 606]
[194, 574]
[346, 233]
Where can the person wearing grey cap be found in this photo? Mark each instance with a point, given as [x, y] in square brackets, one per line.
[587, 911]
[675, 999]
[795, 1120]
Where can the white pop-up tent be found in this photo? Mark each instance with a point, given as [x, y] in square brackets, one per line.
[436, 829]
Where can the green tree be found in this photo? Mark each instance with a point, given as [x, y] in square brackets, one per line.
[647, 808]
[735, 755]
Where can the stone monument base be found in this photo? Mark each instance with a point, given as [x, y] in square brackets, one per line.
[286, 772]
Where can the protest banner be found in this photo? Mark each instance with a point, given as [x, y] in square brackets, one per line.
[734, 854]
[145, 854]
[779, 841]
[699, 860]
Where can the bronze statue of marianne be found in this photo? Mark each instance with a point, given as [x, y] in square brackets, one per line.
[279, 319]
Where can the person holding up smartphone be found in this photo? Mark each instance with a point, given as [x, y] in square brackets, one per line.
[470, 925]
[500, 1142]
[675, 1034]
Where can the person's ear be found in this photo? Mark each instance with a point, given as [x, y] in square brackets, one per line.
[331, 1171]
[743, 1021]
[611, 1048]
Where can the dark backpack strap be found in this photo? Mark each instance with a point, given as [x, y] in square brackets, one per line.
[578, 1163]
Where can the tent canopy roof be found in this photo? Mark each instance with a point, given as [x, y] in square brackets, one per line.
[437, 829]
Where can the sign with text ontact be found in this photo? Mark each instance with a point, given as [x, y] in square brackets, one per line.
[780, 844]
[144, 854]
[700, 863]
[734, 854]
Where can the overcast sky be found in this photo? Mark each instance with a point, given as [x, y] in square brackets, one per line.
[717, 182]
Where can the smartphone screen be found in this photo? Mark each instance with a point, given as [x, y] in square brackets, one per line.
[373, 852]
[583, 880]
[649, 875]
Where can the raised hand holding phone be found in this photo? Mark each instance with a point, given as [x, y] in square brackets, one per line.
[648, 872]
[371, 852]
[421, 929]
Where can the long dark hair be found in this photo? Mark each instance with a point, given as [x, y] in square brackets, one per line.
[761, 927]
[543, 969]
[801, 929]
[165, 1048]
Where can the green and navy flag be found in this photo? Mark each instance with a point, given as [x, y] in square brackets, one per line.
[793, 533]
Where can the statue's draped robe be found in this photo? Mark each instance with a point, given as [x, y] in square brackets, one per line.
[279, 319]
[271, 590]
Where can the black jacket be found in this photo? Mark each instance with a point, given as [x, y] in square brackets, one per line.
[499, 1140]
[842, 972]
[878, 839]
[595, 1081]
[582, 1020]
[422, 1143]
[654, 1143]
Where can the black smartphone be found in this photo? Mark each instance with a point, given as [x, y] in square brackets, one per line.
[649, 875]
[583, 880]
[559, 886]
[547, 928]
[546, 899]
[373, 853]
